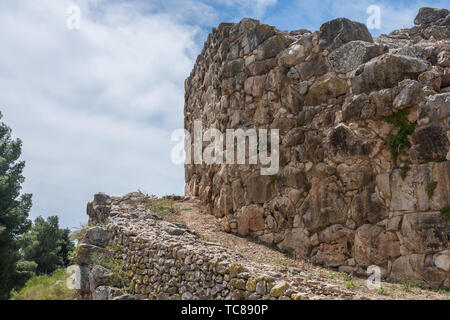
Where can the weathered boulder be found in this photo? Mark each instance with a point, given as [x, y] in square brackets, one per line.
[337, 32]
[332, 254]
[297, 242]
[429, 143]
[294, 178]
[443, 262]
[99, 210]
[344, 143]
[96, 236]
[99, 276]
[297, 51]
[107, 293]
[321, 92]
[352, 54]
[272, 47]
[428, 15]
[252, 219]
[323, 206]
[444, 59]
[411, 94]
[385, 72]
[375, 246]
[88, 254]
[425, 232]
[314, 65]
[254, 34]
[259, 188]
[436, 107]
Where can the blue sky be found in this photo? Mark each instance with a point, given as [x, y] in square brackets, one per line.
[95, 107]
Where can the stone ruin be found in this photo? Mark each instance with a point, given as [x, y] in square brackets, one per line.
[364, 126]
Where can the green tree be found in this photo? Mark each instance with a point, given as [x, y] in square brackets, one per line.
[67, 247]
[14, 209]
[47, 245]
[25, 270]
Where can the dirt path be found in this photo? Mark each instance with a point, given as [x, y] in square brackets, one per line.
[316, 279]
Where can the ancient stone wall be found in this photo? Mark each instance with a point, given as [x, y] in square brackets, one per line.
[128, 253]
[364, 122]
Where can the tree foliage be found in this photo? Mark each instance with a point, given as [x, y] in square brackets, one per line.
[47, 245]
[14, 210]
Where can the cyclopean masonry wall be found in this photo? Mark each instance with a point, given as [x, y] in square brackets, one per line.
[156, 259]
[364, 155]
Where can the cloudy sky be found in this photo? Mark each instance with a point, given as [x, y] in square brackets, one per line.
[95, 106]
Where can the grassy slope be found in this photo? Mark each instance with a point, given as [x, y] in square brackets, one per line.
[45, 287]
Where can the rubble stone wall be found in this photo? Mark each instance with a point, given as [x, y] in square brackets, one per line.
[128, 253]
[364, 125]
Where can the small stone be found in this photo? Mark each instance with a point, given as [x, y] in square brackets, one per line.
[299, 296]
[261, 288]
[186, 296]
[279, 289]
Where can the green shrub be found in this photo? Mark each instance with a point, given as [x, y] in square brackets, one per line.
[160, 206]
[398, 142]
[350, 285]
[406, 285]
[430, 189]
[383, 291]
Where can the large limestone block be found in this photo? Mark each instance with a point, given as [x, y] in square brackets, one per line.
[428, 15]
[327, 88]
[437, 106]
[332, 254]
[354, 176]
[403, 195]
[335, 233]
[296, 241]
[88, 254]
[259, 188]
[419, 268]
[352, 54]
[107, 293]
[99, 276]
[443, 262]
[373, 245]
[425, 232]
[254, 34]
[314, 65]
[430, 143]
[252, 219]
[411, 94]
[96, 236]
[294, 178]
[297, 51]
[367, 206]
[324, 206]
[343, 143]
[385, 72]
[272, 47]
[337, 32]
[432, 181]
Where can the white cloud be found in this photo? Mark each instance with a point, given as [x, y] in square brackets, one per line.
[94, 107]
